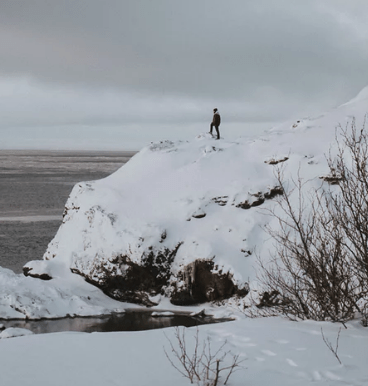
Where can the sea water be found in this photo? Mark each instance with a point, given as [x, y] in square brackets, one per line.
[34, 186]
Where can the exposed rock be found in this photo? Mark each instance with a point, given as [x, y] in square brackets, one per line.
[222, 200]
[163, 236]
[259, 198]
[295, 125]
[199, 215]
[275, 161]
[246, 252]
[273, 192]
[68, 209]
[162, 145]
[125, 280]
[244, 205]
[27, 271]
[197, 283]
[332, 179]
[138, 297]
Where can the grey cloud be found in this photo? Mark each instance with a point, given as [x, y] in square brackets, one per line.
[259, 59]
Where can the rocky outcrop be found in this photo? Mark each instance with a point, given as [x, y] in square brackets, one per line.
[199, 215]
[275, 161]
[125, 280]
[199, 282]
[332, 179]
[273, 192]
[259, 198]
[27, 271]
[222, 200]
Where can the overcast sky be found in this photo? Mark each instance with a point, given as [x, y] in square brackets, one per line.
[121, 73]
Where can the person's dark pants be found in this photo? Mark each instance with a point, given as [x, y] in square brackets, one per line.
[217, 129]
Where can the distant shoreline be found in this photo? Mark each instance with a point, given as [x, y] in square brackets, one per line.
[35, 218]
[66, 152]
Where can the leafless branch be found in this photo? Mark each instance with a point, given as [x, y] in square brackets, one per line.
[309, 274]
[204, 366]
[329, 344]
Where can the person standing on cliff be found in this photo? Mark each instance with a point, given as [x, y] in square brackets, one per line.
[216, 122]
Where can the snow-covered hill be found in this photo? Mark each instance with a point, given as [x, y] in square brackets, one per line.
[183, 219]
[176, 214]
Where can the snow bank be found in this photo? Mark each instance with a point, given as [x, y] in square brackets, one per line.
[276, 352]
[14, 332]
[25, 297]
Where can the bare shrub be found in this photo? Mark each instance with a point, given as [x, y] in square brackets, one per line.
[201, 365]
[364, 311]
[320, 266]
[350, 203]
[310, 268]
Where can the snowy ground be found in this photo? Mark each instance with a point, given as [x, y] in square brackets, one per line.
[276, 352]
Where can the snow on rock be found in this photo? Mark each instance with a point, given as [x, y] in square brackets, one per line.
[13, 332]
[183, 218]
[25, 297]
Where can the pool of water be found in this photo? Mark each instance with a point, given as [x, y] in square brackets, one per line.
[128, 321]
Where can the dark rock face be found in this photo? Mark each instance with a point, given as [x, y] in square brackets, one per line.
[200, 284]
[28, 272]
[275, 161]
[260, 198]
[332, 179]
[124, 280]
[222, 200]
[244, 205]
[273, 192]
[199, 215]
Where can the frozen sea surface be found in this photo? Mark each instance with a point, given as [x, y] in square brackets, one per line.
[34, 186]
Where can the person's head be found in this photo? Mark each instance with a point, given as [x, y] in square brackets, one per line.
[215, 110]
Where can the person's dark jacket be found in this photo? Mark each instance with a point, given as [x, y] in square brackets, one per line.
[216, 119]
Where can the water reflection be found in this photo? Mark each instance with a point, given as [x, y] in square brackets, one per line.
[129, 321]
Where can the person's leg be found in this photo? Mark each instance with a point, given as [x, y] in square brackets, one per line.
[218, 132]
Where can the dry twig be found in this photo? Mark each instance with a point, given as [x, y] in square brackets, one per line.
[201, 365]
[329, 344]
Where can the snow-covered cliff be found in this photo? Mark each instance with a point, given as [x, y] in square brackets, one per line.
[183, 219]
